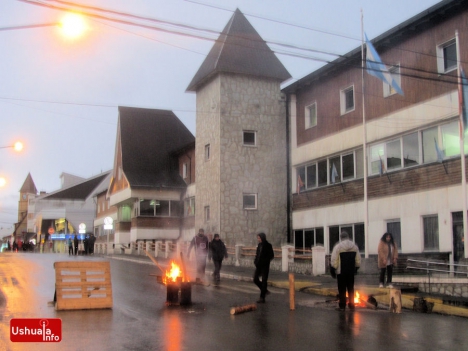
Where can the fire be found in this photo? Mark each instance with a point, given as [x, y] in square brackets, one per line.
[174, 274]
[357, 297]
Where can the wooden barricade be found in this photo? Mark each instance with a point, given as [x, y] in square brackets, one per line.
[82, 285]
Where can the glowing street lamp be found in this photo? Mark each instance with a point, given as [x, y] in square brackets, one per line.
[18, 146]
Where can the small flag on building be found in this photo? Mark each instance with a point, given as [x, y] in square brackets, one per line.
[334, 174]
[376, 67]
[381, 166]
[300, 184]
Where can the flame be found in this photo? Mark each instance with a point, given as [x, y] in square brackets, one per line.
[173, 274]
[357, 297]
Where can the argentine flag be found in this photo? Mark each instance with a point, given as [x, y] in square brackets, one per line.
[376, 68]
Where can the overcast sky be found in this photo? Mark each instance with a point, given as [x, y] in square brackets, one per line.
[60, 96]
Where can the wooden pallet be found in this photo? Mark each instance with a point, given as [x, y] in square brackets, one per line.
[82, 285]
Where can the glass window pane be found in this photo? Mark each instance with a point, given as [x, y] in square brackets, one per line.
[349, 230]
[349, 99]
[394, 154]
[162, 208]
[299, 239]
[429, 138]
[322, 173]
[249, 138]
[308, 239]
[451, 139]
[337, 163]
[359, 236]
[176, 208]
[348, 166]
[319, 239]
[334, 237]
[359, 164]
[450, 56]
[147, 208]
[311, 176]
[431, 233]
[411, 150]
[249, 201]
[376, 154]
[394, 228]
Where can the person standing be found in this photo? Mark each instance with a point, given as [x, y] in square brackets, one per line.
[75, 244]
[70, 246]
[200, 243]
[263, 257]
[92, 240]
[344, 264]
[387, 257]
[217, 252]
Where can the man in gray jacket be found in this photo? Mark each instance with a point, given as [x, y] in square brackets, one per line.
[344, 264]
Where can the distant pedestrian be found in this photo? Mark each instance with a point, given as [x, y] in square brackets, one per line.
[217, 252]
[86, 244]
[263, 257]
[387, 257]
[92, 239]
[70, 246]
[344, 264]
[200, 243]
[15, 246]
[75, 244]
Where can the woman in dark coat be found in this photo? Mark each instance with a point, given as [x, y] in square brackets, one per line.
[217, 253]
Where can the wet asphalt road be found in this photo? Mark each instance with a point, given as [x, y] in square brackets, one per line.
[140, 320]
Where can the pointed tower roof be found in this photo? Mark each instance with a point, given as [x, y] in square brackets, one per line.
[239, 49]
[28, 186]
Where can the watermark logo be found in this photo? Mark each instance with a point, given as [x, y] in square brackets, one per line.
[36, 330]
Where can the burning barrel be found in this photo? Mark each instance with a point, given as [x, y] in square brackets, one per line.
[179, 289]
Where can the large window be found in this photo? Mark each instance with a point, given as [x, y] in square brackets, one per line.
[447, 56]
[416, 148]
[304, 239]
[347, 100]
[159, 208]
[394, 228]
[431, 233]
[311, 116]
[355, 231]
[346, 166]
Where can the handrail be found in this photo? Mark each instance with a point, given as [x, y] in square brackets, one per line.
[439, 263]
[436, 270]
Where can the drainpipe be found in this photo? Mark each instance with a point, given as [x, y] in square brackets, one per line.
[288, 177]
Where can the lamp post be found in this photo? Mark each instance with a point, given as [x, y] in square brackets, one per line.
[18, 146]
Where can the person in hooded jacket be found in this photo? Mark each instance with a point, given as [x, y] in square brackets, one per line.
[200, 243]
[263, 257]
[217, 252]
[344, 263]
[387, 257]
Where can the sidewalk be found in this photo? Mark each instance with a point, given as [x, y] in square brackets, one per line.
[323, 285]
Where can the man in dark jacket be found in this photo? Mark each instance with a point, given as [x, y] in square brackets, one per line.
[263, 257]
[75, 244]
[217, 252]
[344, 264]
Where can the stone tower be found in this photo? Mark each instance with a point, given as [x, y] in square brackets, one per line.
[241, 143]
[27, 191]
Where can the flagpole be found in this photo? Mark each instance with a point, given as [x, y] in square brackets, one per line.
[364, 147]
[462, 147]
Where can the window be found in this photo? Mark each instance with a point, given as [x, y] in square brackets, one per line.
[429, 138]
[347, 100]
[447, 56]
[393, 154]
[207, 213]
[184, 171]
[159, 208]
[207, 152]
[395, 73]
[355, 231]
[304, 239]
[250, 138]
[348, 166]
[410, 150]
[311, 116]
[250, 201]
[189, 206]
[394, 228]
[431, 233]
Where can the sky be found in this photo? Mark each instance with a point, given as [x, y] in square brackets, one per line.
[60, 96]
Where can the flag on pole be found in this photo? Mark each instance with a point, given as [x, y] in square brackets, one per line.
[439, 152]
[300, 184]
[463, 99]
[334, 174]
[376, 68]
[381, 166]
